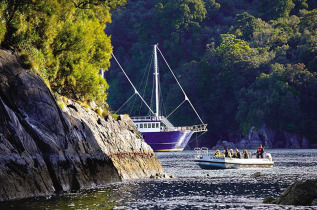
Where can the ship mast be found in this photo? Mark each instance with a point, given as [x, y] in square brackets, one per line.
[157, 102]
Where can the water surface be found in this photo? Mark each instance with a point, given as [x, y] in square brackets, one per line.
[193, 188]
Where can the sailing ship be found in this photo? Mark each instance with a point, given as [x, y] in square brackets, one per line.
[156, 129]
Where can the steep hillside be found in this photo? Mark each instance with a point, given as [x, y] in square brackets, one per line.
[244, 64]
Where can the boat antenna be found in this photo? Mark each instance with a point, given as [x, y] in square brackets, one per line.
[135, 90]
[186, 97]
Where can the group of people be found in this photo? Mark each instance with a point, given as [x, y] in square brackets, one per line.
[237, 154]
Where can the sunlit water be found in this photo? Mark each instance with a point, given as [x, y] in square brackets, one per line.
[193, 188]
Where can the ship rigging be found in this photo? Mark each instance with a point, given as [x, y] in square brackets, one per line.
[156, 129]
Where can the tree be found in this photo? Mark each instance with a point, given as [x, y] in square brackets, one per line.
[269, 100]
[64, 41]
[245, 24]
[218, 62]
[274, 9]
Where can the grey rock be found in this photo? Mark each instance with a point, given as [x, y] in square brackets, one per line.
[162, 176]
[44, 150]
[256, 174]
[269, 200]
[299, 193]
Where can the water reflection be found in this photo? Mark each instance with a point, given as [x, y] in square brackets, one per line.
[222, 189]
[89, 199]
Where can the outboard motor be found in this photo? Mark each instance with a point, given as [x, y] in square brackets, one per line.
[269, 156]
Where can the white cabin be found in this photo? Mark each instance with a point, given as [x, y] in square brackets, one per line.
[148, 126]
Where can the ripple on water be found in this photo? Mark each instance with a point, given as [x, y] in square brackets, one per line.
[223, 189]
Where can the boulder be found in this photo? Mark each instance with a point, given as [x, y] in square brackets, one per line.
[269, 200]
[162, 176]
[256, 174]
[299, 193]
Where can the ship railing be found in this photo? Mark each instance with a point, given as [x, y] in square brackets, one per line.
[201, 152]
[146, 118]
[154, 118]
[170, 126]
[194, 128]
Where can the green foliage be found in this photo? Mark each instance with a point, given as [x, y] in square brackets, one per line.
[277, 99]
[28, 64]
[62, 105]
[115, 116]
[275, 9]
[239, 67]
[299, 5]
[64, 40]
[245, 25]
[181, 15]
[99, 111]
[269, 97]
[105, 113]
[2, 22]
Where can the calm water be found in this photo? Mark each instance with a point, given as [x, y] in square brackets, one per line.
[192, 188]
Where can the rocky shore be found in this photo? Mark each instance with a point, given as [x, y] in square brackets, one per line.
[44, 150]
[299, 194]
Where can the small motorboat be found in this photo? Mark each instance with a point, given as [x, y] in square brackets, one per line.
[207, 161]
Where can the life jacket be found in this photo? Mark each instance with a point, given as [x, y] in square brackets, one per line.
[260, 150]
[245, 155]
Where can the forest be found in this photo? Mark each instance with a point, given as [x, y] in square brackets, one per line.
[243, 63]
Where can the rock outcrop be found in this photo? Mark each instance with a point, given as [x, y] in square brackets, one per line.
[44, 150]
[299, 194]
[119, 139]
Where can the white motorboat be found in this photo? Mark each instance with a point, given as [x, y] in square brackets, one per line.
[209, 161]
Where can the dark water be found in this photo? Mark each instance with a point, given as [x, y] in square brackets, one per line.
[192, 189]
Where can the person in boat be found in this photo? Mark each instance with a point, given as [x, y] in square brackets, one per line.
[224, 153]
[231, 153]
[217, 154]
[259, 152]
[237, 154]
[227, 153]
[245, 154]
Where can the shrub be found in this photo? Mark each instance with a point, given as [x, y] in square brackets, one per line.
[114, 116]
[99, 111]
[62, 105]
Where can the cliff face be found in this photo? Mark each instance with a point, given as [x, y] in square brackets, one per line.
[44, 150]
[119, 139]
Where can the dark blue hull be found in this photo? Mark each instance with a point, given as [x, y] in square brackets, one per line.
[167, 141]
